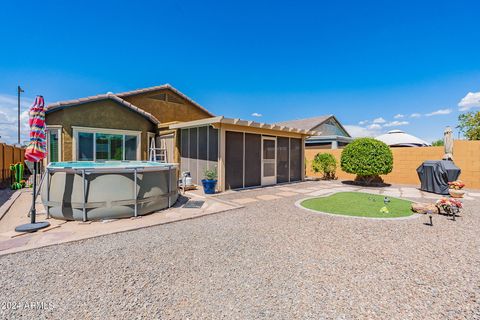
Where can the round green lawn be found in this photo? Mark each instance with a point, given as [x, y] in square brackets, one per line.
[360, 205]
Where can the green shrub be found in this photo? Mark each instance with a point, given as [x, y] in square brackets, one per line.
[210, 174]
[326, 164]
[367, 158]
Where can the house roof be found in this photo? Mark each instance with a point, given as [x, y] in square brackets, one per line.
[108, 96]
[244, 123]
[163, 86]
[399, 138]
[310, 123]
[118, 97]
[307, 124]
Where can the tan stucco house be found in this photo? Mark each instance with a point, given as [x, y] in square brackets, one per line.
[118, 126]
[125, 126]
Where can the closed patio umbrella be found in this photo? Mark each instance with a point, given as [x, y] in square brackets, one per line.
[448, 144]
[35, 152]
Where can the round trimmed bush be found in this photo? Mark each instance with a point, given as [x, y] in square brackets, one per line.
[367, 158]
[326, 164]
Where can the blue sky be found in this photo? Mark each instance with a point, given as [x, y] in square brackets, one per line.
[367, 62]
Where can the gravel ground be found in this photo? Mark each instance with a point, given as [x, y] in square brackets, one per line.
[267, 260]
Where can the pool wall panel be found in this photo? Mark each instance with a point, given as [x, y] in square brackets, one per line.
[109, 195]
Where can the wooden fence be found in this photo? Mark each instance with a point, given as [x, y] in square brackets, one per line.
[9, 155]
[406, 160]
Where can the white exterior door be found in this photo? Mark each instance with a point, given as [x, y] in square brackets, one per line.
[269, 161]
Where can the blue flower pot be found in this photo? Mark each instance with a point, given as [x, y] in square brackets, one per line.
[209, 186]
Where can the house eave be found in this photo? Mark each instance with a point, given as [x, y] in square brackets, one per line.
[242, 123]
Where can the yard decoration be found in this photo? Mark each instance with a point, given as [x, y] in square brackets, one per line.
[17, 176]
[367, 158]
[450, 206]
[424, 208]
[326, 164]
[210, 181]
[455, 189]
[384, 209]
[448, 144]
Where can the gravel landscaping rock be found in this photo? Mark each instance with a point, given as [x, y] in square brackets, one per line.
[268, 260]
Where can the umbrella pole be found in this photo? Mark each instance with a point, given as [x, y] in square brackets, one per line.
[33, 211]
[33, 225]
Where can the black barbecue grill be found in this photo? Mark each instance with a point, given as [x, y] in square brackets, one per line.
[435, 175]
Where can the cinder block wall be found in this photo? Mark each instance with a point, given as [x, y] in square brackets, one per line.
[406, 161]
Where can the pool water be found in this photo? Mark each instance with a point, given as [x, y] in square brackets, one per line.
[104, 164]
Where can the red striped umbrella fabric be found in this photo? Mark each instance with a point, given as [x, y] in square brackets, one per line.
[36, 149]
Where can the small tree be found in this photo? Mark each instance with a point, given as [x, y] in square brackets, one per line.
[438, 143]
[367, 158]
[326, 164]
[469, 125]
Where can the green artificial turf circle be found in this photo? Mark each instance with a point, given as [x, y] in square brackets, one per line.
[360, 205]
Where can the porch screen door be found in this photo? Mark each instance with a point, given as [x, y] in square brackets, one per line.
[269, 160]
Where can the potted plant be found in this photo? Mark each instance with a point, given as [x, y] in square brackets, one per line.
[455, 189]
[210, 181]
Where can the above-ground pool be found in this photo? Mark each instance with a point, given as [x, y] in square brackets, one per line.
[86, 190]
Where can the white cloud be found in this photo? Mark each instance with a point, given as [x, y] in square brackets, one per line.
[398, 116]
[359, 132]
[396, 123]
[471, 100]
[439, 112]
[415, 115]
[8, 118]
[379, 120]
[362, 123]
[374, 126]
[255, 114]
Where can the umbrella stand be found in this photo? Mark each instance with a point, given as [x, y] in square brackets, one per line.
[33, 225]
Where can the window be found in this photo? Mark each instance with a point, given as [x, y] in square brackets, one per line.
[53, 144]
[85, 146]
[109, 146]
[106, 144]
[130, 147]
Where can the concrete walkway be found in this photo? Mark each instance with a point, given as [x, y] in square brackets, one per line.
[321, 188]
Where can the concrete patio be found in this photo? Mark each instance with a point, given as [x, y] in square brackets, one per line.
[321, 188]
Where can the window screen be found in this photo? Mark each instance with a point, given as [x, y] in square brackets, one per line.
[233, 160]
[295, 159]
[53, 145]
[283, 149]
[253, 149]
[212, 144]
[184, 147]
[202, 143]
[193, 154]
